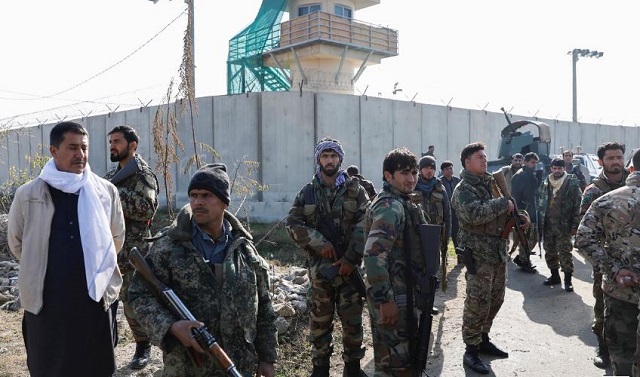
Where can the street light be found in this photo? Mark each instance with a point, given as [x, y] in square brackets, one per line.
[576, 54]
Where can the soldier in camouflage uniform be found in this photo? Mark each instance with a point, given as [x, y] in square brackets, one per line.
[353, 171]
[567, 156]
[326, 222]
[391, 223]
[208, 258]
[435, 203]
[612, 176]
[609, 237]
[559, 198]
[138, 189]
[483, 214]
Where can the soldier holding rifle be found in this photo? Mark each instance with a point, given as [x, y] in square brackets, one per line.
[483, 213]
[326, 221]
[400, 286]
[138, 189]
[208, 258]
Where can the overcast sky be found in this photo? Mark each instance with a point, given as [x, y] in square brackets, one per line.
[468, 53]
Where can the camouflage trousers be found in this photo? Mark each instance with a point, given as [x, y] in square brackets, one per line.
[558, 249]
[620, 327]
[326, 297]
[598, 306]
[139, 334]
[391, 351]
[485, 295]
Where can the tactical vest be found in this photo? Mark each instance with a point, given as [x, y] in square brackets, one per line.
[344, 216]
[495, 227]
[434, 205]
[414, 216]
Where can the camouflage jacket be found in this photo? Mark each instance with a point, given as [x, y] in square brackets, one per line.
[139, 198]
[577, 171]
[238, 313]
[524, 187]
[609, 236]
[384, 251]
[569, 206]
[437, 206]
[598, 187]
[483, 215]
[315, 206]
[367, 185]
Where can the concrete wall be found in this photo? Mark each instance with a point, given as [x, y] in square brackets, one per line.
[280, 129]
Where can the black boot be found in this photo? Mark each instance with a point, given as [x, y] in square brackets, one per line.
[352, 369]
[320, 370]
[472, 360]
[488, 348]
[602, 359]
[554, 279]
[141, 357]
[567, 282]
[526, 266]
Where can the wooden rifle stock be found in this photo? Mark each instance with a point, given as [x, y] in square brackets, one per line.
[515, 222]
[206, 340]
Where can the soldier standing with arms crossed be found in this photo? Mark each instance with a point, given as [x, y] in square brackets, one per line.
[483, 215]
[326, 221]
[612, 176]
[559, 205]
[391, 228]
[138, 189]
[609, 237]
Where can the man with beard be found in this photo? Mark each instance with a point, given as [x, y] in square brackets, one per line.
[65, 227]
[559, 210]
[510, 170]
[138, 189]
[435, 203]
[567, 156]
[524, 186]
[326, 221]
[612, 176]
[483, 214]
[609, 238]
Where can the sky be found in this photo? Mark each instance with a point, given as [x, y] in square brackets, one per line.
[71, 58]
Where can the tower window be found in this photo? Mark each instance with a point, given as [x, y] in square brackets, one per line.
[343, 11]
[309, 8]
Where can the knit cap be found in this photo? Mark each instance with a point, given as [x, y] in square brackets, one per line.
[214, 178]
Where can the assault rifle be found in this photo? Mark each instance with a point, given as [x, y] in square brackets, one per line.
[205, 339]
[328, 229]
[515, 222]
[430, 242]
[127, 171]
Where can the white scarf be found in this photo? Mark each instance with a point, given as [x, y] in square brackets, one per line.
[556, 183]
[94, 207]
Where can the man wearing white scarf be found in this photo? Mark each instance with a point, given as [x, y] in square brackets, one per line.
[66, 227]
[559, 205]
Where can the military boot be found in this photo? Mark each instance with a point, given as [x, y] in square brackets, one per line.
[554, 279]
[320, 370]
[472, 360]
[352, 369]
[526, 266]
[602, 359]
[488, 348]
[141, 357]
[567, 282]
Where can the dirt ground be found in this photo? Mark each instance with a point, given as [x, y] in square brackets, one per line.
[545, 330]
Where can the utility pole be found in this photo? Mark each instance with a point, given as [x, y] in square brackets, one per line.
[575, 56]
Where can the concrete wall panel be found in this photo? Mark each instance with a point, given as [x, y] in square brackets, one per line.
[575, 137]
[560, 137]
[435, 131]
[407, 121]
[377, 136]
[459, 134]
[338, 116]
[288, 139]
[631, 139]
[588, 136]
[141, 120]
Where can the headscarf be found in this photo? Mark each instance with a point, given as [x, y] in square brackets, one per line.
[335, 146]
